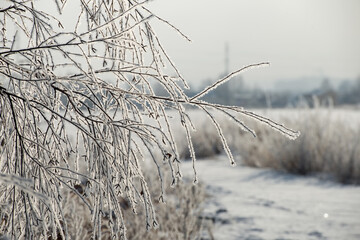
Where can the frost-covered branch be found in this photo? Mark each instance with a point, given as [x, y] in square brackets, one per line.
[77, 108]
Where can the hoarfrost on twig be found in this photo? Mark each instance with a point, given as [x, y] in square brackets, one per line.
[78, 113]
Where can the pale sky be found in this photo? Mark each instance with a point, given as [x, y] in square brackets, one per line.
[300, 38]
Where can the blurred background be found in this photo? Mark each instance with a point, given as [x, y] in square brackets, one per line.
[312, 84]
[312, 46]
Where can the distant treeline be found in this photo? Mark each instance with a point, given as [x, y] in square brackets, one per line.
[235, 92]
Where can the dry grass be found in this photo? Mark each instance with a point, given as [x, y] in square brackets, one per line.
[329, 144]
[179, 217]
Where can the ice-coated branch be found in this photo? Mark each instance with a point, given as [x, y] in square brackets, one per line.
[227, 78]
[79, 115]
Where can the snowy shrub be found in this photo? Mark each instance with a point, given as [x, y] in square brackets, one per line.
[77, 106]
[328, 145]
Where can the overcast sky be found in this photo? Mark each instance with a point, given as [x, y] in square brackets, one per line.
[300, 38]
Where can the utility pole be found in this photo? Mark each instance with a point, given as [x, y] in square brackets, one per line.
[226, 58]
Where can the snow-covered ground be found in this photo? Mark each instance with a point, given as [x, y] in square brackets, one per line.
[248, 203]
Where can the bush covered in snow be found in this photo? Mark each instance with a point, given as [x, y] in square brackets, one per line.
[329, 143]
